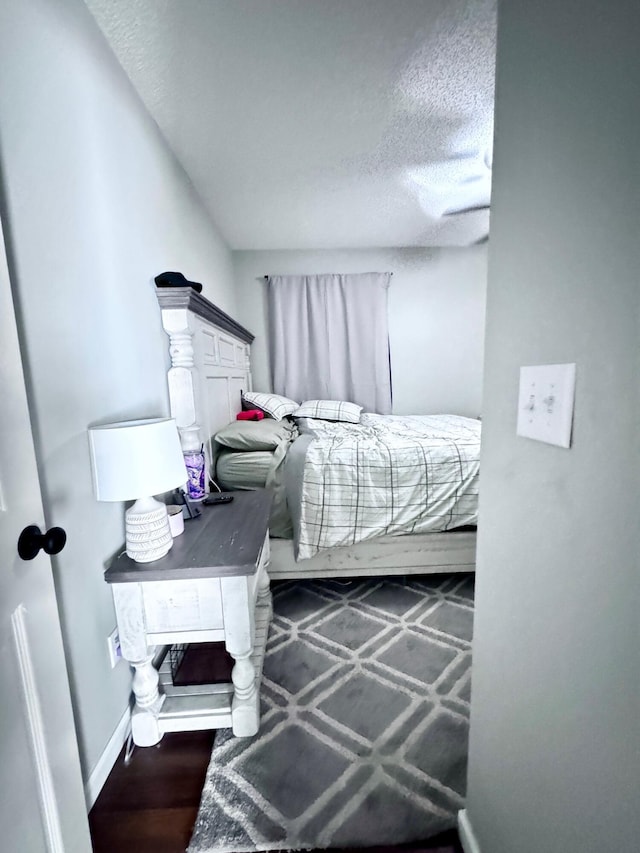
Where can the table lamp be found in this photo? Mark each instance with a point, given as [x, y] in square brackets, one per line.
[135, 460]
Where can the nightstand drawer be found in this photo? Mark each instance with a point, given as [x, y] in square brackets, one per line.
[190, 605]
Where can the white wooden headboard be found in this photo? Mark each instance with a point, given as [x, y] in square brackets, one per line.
[210, 365]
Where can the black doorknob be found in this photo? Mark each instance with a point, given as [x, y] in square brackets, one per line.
[32, 540]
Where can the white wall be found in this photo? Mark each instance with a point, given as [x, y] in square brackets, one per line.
[555, 712]
[94, 207]
[436, 317]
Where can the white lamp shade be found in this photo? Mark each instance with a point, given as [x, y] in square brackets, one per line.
[136, 459]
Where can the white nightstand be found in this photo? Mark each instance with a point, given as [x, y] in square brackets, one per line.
[213, 585]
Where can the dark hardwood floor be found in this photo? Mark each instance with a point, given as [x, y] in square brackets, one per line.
[150, 804]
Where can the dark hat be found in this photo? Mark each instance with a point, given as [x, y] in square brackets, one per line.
[176, 279]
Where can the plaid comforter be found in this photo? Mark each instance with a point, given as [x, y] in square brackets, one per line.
[387, 475]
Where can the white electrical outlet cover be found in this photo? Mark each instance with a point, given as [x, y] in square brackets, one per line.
[113, 647]
[545, 403]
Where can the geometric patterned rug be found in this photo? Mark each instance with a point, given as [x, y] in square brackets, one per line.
[364, 728]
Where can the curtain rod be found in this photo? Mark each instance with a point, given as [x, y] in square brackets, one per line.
[268, 276]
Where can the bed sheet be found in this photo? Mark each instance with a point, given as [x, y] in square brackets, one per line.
[387, 475]
[246, 470]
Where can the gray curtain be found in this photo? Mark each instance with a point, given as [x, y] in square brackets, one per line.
[330, 338]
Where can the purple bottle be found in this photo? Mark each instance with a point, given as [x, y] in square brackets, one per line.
[194, 461]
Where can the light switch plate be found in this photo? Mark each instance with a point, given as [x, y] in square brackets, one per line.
[545, 403]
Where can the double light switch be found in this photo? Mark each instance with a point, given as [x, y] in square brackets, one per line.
[545, 403]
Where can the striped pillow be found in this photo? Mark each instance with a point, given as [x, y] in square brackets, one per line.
[329, 410]
[274, 405]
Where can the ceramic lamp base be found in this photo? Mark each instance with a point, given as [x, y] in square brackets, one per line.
[148, 535]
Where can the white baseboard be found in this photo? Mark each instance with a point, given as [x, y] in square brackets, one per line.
[467, 836]
[99, 774]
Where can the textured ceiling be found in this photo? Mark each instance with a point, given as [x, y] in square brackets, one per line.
[321, 123]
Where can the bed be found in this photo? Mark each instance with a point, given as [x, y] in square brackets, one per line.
[210, 367]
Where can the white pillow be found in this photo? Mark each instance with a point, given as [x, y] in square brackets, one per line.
[274, 405]
[329, 410]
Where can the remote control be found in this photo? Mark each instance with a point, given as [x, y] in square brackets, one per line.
[217, 499]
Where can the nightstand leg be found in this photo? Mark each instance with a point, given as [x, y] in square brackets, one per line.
[144, 718]
[239, 620]
[245, 714]
[264, 591]
[129, 604]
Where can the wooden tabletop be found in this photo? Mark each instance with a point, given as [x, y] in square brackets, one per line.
[225, 540]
